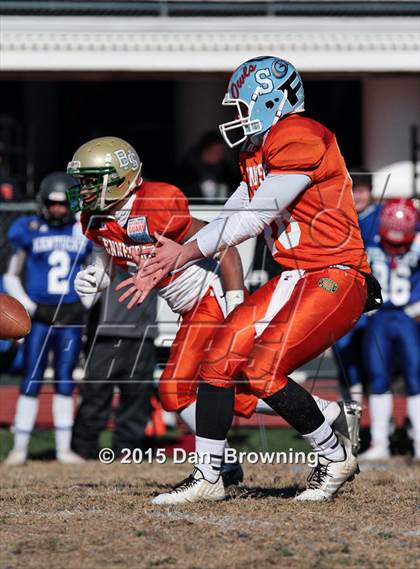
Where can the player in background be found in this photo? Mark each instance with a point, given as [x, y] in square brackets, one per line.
[348, 349]
[296, 189]
[392, 332]
[121, 213]
[48, 250]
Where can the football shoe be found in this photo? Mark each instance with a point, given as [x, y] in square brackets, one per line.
[329, 476]
[195, 488]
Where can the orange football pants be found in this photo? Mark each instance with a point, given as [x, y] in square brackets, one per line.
[179, 380]
[314, 312]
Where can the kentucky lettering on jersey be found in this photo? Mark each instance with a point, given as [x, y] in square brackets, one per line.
[56, 242]
[54, 255]
[320, 227]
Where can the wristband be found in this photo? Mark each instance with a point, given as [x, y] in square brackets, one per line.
[233, 299]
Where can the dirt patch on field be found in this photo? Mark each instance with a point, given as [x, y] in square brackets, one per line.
[98, 516]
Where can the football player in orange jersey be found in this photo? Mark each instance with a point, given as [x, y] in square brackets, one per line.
[120, 214]
[295, 189]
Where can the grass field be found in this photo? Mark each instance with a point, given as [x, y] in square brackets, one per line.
[99, 516]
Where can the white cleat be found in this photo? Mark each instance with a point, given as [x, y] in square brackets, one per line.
[16, 457]
[69, 457]
[376, 452]
[330, 409]
[195, 488]
[328, 477]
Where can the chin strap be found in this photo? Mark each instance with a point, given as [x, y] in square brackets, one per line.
[277, 116]
[102, 200]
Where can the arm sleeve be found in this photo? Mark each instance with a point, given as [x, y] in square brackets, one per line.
[238, 201]
[13, 284]
[103, 262]
[274, 195]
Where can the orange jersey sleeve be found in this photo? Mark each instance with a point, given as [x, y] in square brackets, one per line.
[166, 209]
[296, 147]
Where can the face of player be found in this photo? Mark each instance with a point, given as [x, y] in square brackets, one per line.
[89, 190]
[395, 249]
[57, 210]
[362, 197]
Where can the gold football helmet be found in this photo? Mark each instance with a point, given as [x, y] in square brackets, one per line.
[107, 169]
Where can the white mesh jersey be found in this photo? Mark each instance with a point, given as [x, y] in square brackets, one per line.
[192, 284]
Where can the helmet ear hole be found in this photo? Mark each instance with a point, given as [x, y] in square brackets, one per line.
[269, 104]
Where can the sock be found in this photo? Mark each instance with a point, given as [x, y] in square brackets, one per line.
[209, 457]
[214, 411]
[413, 412]
[324, 442]
[188, 416]
[214, 414]
[356, 393]
[26, 412]
[62, 411]
[297, 407]
[263, 408]
[380, 409]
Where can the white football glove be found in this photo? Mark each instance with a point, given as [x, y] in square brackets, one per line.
[233, 299]
[91, 280]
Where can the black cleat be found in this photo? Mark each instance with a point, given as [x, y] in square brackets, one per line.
[232, 474]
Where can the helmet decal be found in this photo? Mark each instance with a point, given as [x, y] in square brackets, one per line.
[263, 90]
[237, 84]
[126, 159]
[279, 68]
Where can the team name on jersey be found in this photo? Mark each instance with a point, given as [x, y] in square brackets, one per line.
[255, 175]
[119, 249]
[61, 242]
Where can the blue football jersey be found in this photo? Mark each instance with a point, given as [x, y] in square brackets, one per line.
[54, 256]
[369, 224]
[400, 277]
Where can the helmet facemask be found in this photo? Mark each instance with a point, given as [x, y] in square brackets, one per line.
[243, 122]
[91, 192]
[249, 126]
[52, 201]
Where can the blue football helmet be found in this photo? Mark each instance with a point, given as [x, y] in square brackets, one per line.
[263, 89]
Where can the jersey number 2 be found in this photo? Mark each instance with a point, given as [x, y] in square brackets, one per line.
[59, 262]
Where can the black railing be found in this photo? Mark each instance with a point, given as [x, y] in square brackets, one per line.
[214, 8]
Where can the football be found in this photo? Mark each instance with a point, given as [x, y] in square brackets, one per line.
[15, 322]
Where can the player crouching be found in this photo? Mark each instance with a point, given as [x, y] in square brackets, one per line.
[297, 191]
[121, 214]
